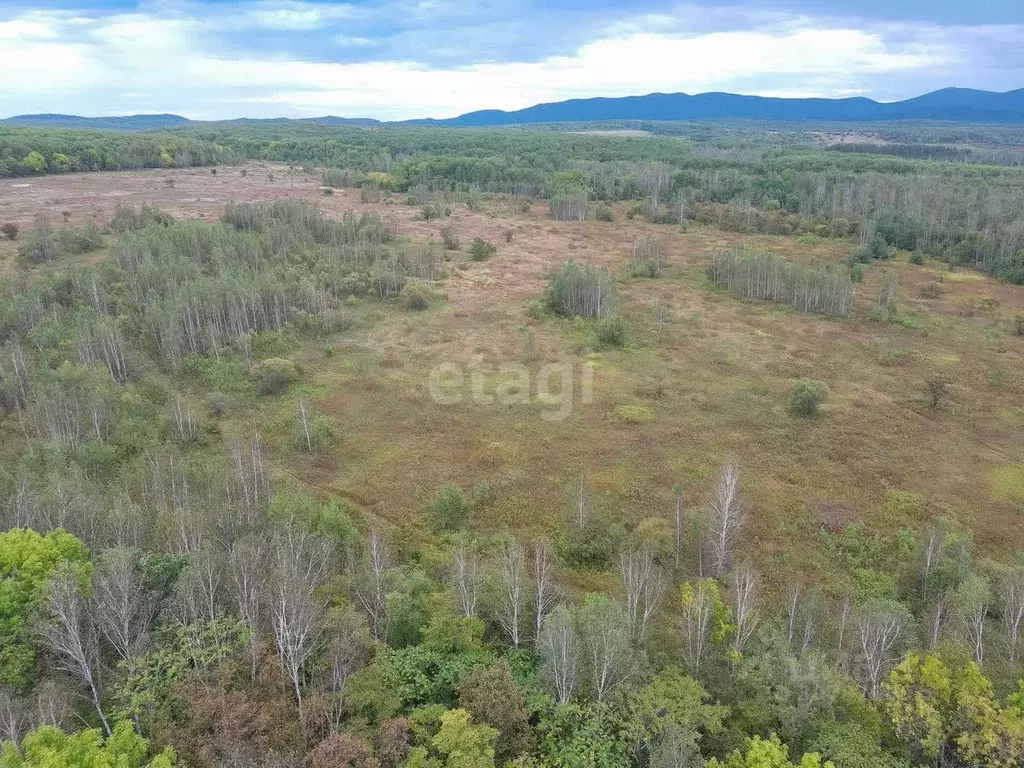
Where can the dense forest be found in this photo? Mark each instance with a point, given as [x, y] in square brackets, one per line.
[960, 204]
[172, 593]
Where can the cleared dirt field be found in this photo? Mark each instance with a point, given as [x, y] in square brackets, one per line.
[708, 386]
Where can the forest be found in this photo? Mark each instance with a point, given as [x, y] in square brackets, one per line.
[960, 203]
[182, 581]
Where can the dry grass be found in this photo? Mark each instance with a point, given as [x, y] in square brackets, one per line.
[712, 384]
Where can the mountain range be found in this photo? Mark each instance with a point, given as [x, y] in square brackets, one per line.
[948, 104]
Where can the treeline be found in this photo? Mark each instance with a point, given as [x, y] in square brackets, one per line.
[281, 632]
[32, 151]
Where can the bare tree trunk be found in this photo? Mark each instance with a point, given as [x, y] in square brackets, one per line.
[512, 582]
[69, 634]
[121, 607]
[300, 563]
[247, 561]
[466, 578]
[1012, 599]
[745, 610]
[726, 519]
[645, 586]
[543, 585]
[557, 646]
[372, 588]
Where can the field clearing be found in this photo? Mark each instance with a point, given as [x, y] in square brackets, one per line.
[710, 386]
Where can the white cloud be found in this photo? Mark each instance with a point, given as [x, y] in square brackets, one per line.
[167, 64]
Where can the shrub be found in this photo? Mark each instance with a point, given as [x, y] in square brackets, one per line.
[857, 272]
[611, 331]
[40, 244]
[480, 249]
[417, 297]
[449, 510]
[938, 388]
[77, 241]
[646, 257]
[581, 291]
[916, 257]
[509, 233]
[1018, 325]
[806, 397]
[10, 231]
[449, 238]
[274, 375]
[604, 213]
[931, 290]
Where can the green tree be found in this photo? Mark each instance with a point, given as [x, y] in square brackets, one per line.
[670, 704]
[457, 744]
[491, 695]
[50, 747]
[35, 162]
[770, 753]
[27, 560]
[806, 398]
[951, 716]
[450, 511]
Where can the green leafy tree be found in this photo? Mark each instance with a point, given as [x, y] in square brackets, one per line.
[34, 161]
[670, 705]
[951, 716]
[770, 753]
[458, 743]
[492, 696]
[582, 736]
[27, 561]
[807, 397]
[50, 747]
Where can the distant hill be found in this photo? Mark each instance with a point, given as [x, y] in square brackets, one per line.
[952, 104]
[957, 104]
[125, 123]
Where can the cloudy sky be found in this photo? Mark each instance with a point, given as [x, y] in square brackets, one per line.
[395, 59]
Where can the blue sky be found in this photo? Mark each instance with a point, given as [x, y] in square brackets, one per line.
[394, 59]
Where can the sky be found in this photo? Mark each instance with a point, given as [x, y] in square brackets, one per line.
[399, 59]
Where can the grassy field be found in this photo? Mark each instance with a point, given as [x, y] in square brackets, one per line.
[710, 385]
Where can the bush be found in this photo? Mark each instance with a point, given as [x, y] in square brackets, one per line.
[417, 297]
[449, 511]
[857, 272]
[10, 231]
[931, 290]
[917, 257]
[40, 244]
[807, 395]
[611, 331]
[604, 213]
[77, 241]
[581, 291]
[274, 375]
[449, 238]
[1018, 325]
[480, 249]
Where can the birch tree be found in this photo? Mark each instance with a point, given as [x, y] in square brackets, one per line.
[1011, 599]
[69, 634]
[745, 599]
[725, 520]
[299, 564]
[645, 585]
[603, 631]
[512, 586]
[543, 584]
[121, 607]
[882, 626]
[247, 563]
[467, 576]
[372, 590]
[557, 648]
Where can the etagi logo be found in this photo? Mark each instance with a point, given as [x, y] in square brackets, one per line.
[554, 385]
